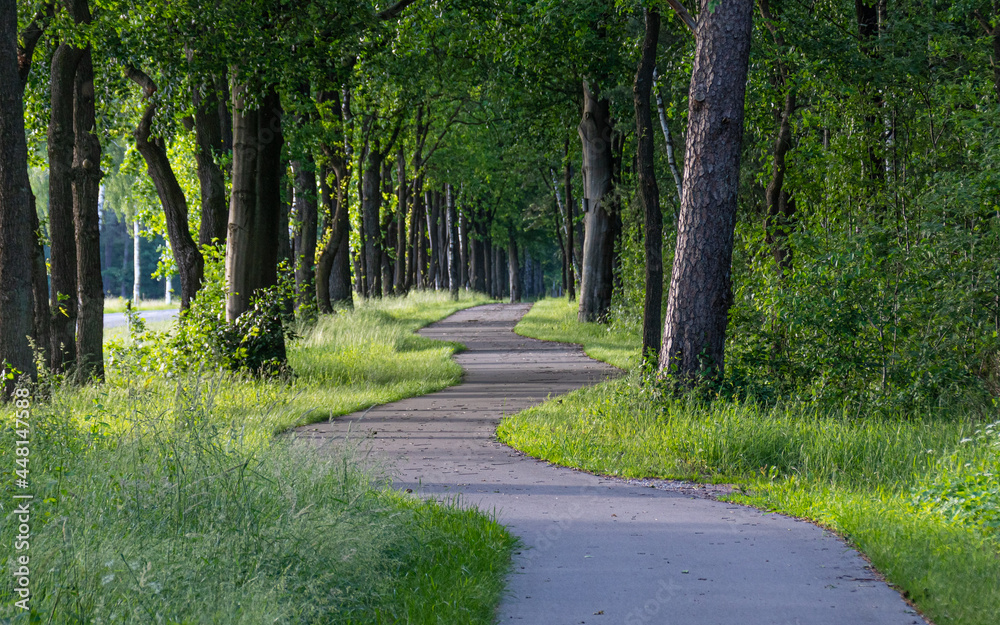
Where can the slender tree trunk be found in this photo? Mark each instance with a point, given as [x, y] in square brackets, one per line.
[399, 281]
[136, 262]
[434, 273]
[463, 250]
[513, 270]
[307, 216]
[598, 250]
[669, 140]
[371, 203]
[700, 297]
[479, 263]
[571, 248]
[40, 284]
[649, 193]
[61, 230]
[16, 309]
[452, 224]
[780, 203]
[443, 243]
[242, 206]
[488, 257]
[190, 263]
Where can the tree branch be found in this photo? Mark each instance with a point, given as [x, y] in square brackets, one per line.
[985, 23]
[394, 11]
[31, 35]
[686, 17]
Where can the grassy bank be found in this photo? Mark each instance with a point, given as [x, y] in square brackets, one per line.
[917, 493]
[118, 304]
[168, 500]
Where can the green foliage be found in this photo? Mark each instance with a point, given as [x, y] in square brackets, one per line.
[916, 491]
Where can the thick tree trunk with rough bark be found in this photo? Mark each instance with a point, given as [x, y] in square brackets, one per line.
[597, 283]
[190, 263]
[61, 229]
[16, 309]
[700, 296]
[649, 193]
[207, 124]
[452, 226]
[271, 170]
[87, 226]
[307, 218]
[242, 206]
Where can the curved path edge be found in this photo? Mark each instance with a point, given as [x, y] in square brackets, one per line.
[601, 550]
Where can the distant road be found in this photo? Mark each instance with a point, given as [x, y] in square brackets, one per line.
[114, 320]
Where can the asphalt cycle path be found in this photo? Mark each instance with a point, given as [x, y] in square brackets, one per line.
[601, 550]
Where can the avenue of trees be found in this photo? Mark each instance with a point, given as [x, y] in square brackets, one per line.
[780, 196]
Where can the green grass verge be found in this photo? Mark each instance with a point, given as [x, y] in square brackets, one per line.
[168, 500]
[117, 304]
[902, 489]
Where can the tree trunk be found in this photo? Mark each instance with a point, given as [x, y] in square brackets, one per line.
[87, 226]
[699, 298]
[649, 193]
[669, 140]
[780, 203]
[307, 216]
[270, 176]
[40, 285]
[16, 309]
[463, 250]
[207, 125]
[598, 250]
[488, 268]
[399, 281]
[136, 262]
[571, 248]
[190, 263]
[479, 265]
[513, 270]
[61, 230]
[242, 206]
[452, 225]
[433, 272]
[443, 244]
[370, 204]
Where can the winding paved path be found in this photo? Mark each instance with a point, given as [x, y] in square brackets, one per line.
[597, 550]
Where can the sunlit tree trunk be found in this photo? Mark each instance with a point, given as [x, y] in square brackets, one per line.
[699, 298]
[597, 265]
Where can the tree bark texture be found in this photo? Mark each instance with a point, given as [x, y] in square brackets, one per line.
[61, 229]
[242, 206]
[270, 174]
[16, 249]
[211, 179]
[571, 247]
[649, 193]
[700, 287]
[597, 284]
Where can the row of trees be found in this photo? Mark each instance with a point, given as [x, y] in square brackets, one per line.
[789, 164]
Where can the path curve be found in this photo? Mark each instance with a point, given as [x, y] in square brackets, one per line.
[598, 550]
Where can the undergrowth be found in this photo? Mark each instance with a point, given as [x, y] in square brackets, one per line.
[162, 496]
[916, 491]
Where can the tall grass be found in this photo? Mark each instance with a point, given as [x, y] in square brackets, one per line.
[918, 493]
[168, 501]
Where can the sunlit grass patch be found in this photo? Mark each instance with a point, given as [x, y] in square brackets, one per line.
[917, 493]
